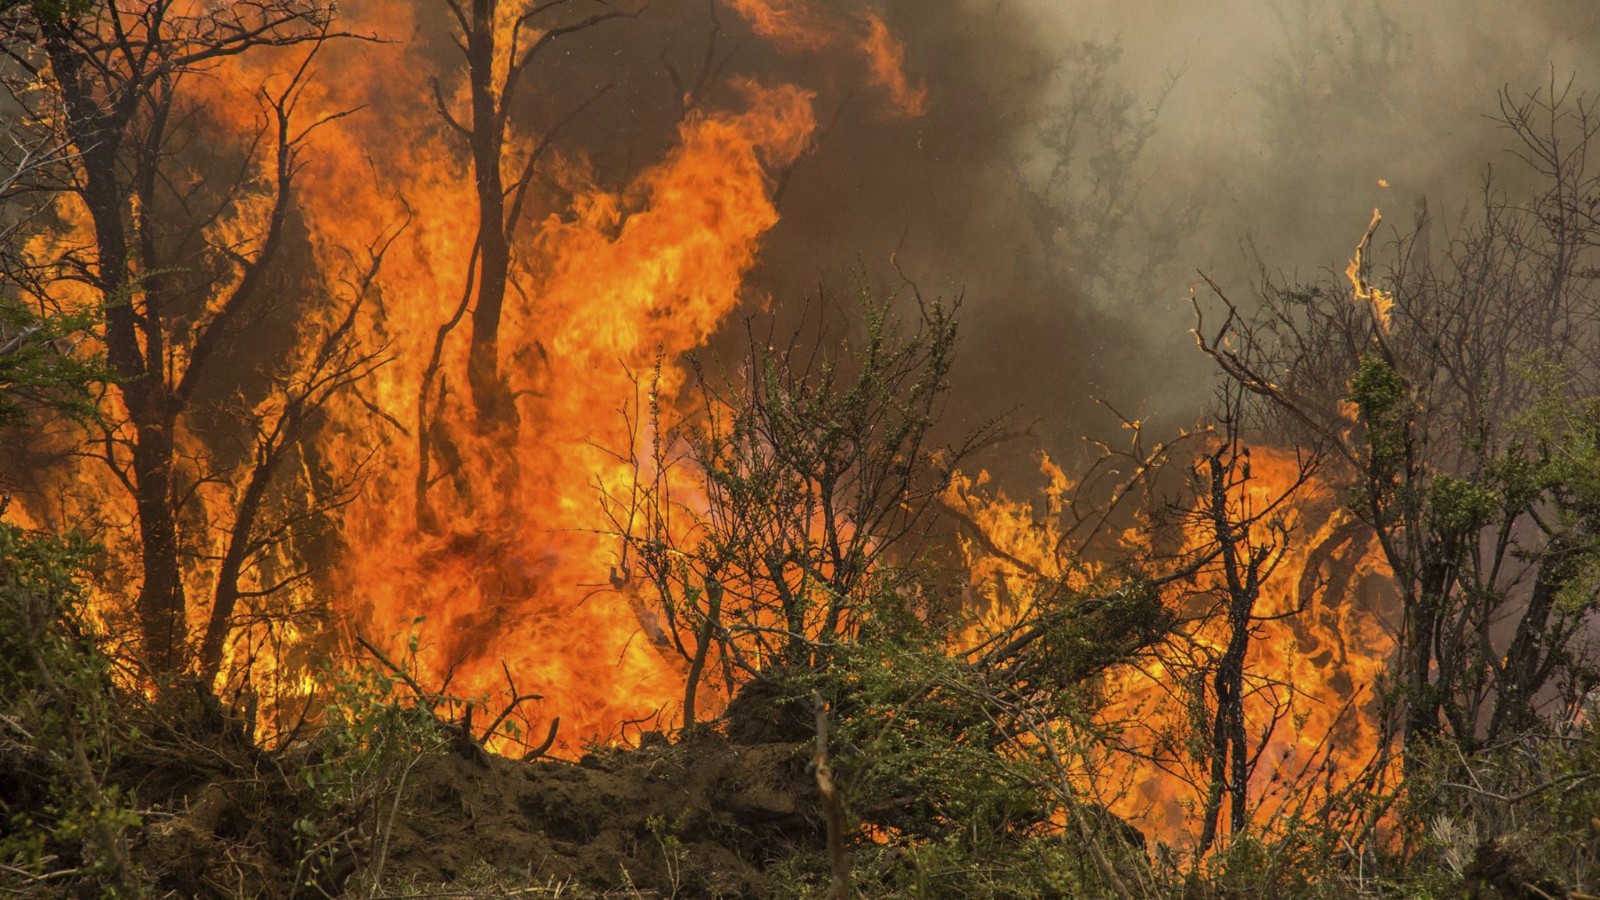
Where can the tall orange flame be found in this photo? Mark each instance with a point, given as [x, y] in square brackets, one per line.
[505, 559]
[517, 571]
[798, 26]
[790, 24]
[517, 574]
[887, 58]
[1380, 301]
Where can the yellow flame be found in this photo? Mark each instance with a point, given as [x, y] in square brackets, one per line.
[1380, 301]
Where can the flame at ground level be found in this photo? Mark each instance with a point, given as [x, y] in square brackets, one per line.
[1318, 650]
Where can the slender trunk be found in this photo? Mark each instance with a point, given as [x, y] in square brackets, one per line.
[163, 624]
[832, 806]
[1239, 808]
[226, 598]
[1229, 762]
[1522, 673]
[702, 649]
[1423, 699]
[490, 398]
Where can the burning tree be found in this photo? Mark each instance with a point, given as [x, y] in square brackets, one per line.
[499, 42]
[1244, 532]
[187, 260]
[782, 537]
[1231, 704]
[39, 368]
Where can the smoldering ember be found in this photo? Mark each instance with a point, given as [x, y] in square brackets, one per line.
[799, 448]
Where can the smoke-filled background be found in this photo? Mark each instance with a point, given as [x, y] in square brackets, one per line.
[1078, 162]
[1270, 128]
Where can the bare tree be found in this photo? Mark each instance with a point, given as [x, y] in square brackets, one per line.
[335, 361]
[499, 41]
[804, 477]
[1450, 397]
[1244, 544]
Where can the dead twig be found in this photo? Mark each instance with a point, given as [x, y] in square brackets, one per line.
[832, 805]
[549, 741]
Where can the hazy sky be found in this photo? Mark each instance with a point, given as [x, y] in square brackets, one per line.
[1283, 118]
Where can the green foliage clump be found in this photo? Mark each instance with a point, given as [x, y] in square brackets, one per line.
[59, 725]
[372, 736]
[960, 767]
[40, 365]
[1379, 392]
[1460, 505]
[1521, 813]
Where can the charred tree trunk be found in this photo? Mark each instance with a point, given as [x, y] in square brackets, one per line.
[1241, 567]
[97, 132]
[163, 623]
[116, 94]
[490, 397]
[228, 593]
[1424, 609]
[488, 36]
[702, 649]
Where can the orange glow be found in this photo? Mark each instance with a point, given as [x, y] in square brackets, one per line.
[790, 24]
[516, 568]
[1006, 589]
[799, 26]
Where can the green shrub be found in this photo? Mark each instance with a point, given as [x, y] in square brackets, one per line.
[59, 725]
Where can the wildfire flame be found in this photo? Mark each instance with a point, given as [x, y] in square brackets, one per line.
[504, 566]
[516, 570]
[1380, 301]
[1317, 652]
[798, 26]
[887, 57]
[493, 544]
[519, 572]
[790, 24]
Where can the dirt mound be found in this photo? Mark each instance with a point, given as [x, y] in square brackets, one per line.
[703, 816]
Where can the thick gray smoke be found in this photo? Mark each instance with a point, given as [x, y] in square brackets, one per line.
[1290, 120]
[1278, 125]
